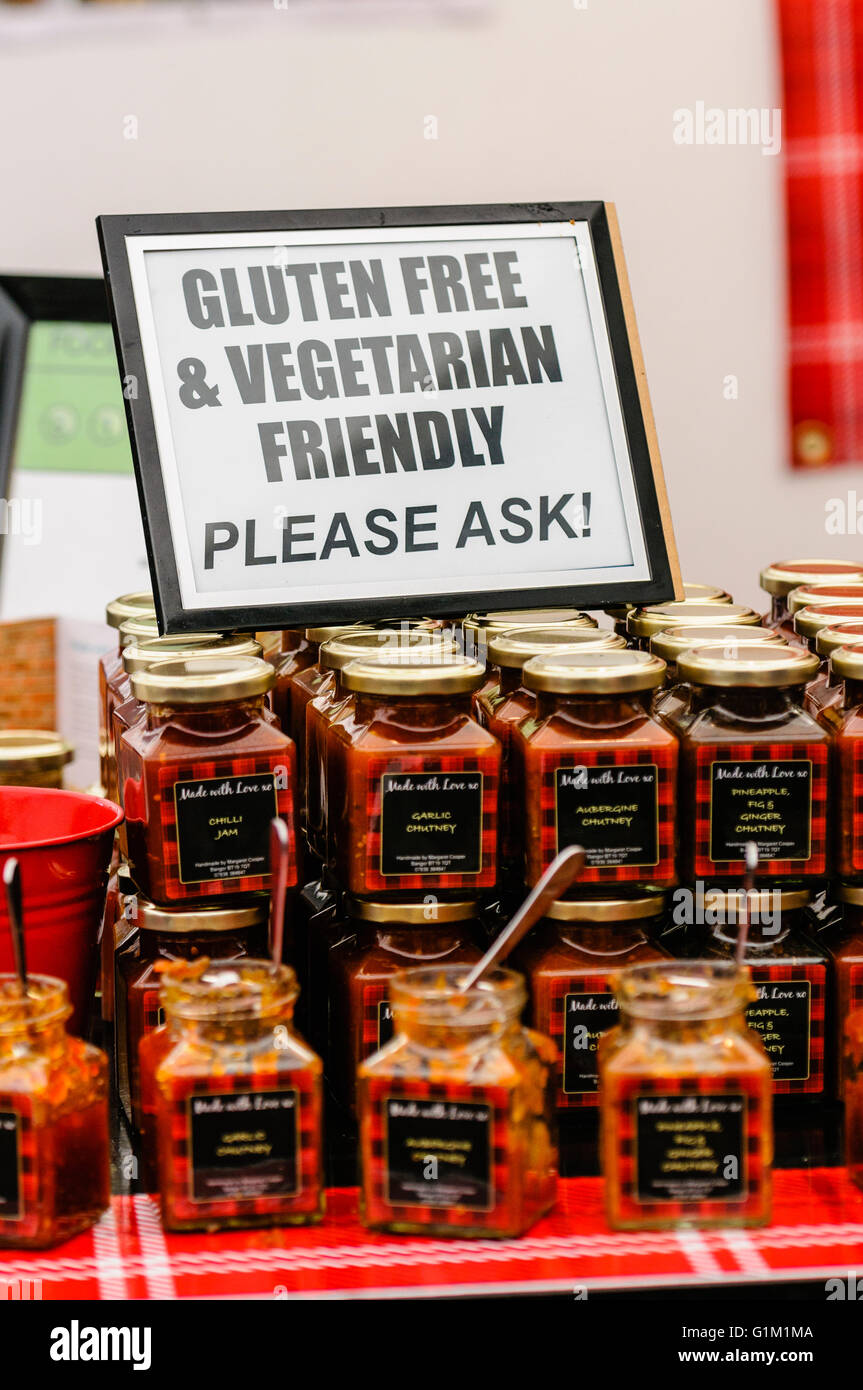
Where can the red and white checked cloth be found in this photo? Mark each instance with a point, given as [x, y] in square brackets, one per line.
[816, 1234]
[822, 63]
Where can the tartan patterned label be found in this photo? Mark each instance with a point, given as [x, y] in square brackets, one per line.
[223, 826]
[852, 797]
[243, 1145]
[438, 1153]
[774, 794]
[586, 1017]
[431, 824]
[426, 824]
[626, 850]
[770, 803]
[690, 1148]
[612, 812]
[782, 1015]
[855, 988]
[10, 1166]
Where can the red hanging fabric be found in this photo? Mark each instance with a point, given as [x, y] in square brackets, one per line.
[822, 62]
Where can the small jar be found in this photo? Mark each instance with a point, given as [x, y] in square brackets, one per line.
[456, 1112]
[333, 699]
[789, 971]
[754, 766]
[692, 593]
[54, 1148]
[413, 779]
[644, 623]
[673, 703]
[597, 769]
[236, 1096]
[826, 691]
[219, 933]
[295, 653]
[845, 949]
[381, 939]
[780, 580]
[117, 612]
[112, 679]
[479, 628]
[505, 703]
[33, 758]
[685, 1101]
[571, 961]
[204, 772]
[820, 617]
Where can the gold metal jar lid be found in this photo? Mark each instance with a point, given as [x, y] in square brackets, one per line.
[819, 595]
[339, 652]
[692, 593]
[320, 635]
[847, 662]
[593, 673]
[517, 645]
[809, 621]
[141, 629]
[732, 901]
[139, 655]
[599, 910]
[430, 671]
[757, 664]
[645, 622]
[137, 605]
[33, 750]
[850, 893]
[423, 914]
[783, 576]
[202, 680]
[481, 626]
[847, 634]
[253, 912]
[673, 640]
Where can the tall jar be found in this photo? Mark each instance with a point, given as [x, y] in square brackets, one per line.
[456, 1112]
[571, 961]
[118, 611]
[784, 576]
[236, 1099]
[204, 772]
[54, 1148]
[673, 703]
[165, 936]
[381, 939]
[413, 780]
[597, 769]
[685, 1101]
[754, 767]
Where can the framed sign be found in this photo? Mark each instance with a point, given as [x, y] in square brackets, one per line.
[339, 415]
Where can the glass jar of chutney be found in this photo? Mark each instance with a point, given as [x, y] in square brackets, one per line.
[456, 1112]
[596, 769]
[478, 628]
[571, 960]
[380, 939]
[819, 617]
[54, 1146]
[295, 653]
[235, 1097]
[127, 606]
[116, 689]
[844, 946]
[672, 702]
[165, 935]
[692, 593]
[844, 718]
[826, 691]
[644, 623]
[789, 971]
[780, 580]
[413, 779]
[33, 758]
[685, 1089]
[754, 766]
[204, 772]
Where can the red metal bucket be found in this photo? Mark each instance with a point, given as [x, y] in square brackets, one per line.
[63, 842]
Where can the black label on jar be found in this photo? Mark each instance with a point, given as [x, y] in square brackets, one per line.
[385, 1022]
[781, 1015]
[223, 826]
[431, 823]
[243, 1145]
[768, 802]
[10, 1166]
[586, 1017]
[439, 1153]
[611, 810]
[690, 1148]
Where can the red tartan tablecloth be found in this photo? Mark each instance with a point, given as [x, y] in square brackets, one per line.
[817, 1233]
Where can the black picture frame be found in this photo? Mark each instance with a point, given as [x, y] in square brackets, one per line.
[664, 582]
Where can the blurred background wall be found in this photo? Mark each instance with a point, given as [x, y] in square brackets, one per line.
[533, 99]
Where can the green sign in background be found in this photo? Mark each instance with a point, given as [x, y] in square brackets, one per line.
[71, 417]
